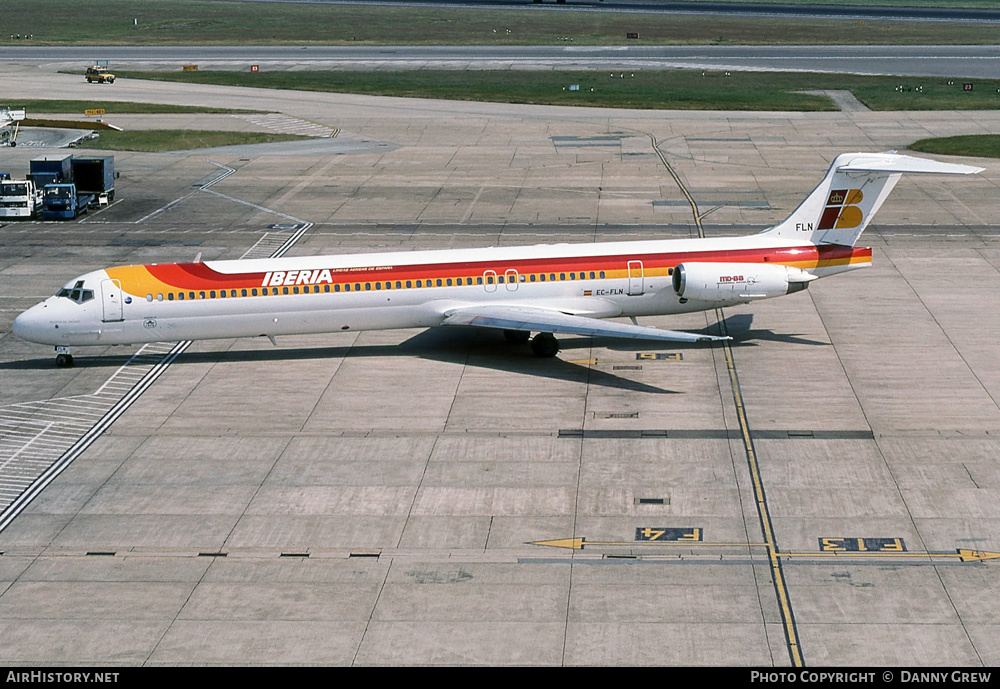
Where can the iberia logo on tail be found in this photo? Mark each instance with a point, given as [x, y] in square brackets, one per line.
[842, 210]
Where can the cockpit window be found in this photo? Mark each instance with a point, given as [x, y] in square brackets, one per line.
[76, 293]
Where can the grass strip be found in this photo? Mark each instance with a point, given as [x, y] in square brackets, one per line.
[975, 145]
[155, 141]
[112, 107]
[663, 90]
[189, 22]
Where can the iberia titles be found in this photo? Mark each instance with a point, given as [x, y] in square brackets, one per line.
[287, 278]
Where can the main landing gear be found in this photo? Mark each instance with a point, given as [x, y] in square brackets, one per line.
[545, 345]
[542, 344]
[517, 336]
[63, 358]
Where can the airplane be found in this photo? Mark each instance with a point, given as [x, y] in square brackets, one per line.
[545, 289]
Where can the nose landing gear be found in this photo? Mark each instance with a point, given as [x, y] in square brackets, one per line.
[63, 358]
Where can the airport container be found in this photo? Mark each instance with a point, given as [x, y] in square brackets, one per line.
[95, 175]
[51, 169]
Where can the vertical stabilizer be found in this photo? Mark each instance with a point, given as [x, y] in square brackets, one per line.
[840, 208]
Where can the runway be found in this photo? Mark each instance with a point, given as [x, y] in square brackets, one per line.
[942, 61]
[432, 497]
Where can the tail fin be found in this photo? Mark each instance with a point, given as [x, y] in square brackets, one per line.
[840, 208]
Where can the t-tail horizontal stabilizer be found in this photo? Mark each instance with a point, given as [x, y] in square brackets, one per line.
[840, 208]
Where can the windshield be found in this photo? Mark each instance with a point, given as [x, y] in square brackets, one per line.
[76, 293]
[57, 192]
[14, 189]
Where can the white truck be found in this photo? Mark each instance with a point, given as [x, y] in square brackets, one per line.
[19, 198]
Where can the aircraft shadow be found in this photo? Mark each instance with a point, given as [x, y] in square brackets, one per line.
[739, 327]
[462, 346]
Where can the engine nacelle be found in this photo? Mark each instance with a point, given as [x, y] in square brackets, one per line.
[726, 282]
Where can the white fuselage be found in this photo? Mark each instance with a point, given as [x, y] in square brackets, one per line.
[286, 296]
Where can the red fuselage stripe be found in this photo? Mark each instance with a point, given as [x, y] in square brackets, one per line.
[198, 276]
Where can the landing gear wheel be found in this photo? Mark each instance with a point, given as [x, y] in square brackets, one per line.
[64, 360]
[517, 336]
[544, 344]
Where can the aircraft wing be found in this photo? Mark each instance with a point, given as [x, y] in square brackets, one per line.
[551, 321]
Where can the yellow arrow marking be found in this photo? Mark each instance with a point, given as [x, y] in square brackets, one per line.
[964, 554]
[579, 543]
[976, 555]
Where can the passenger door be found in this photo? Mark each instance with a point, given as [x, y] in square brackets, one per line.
[635, 278]
[111, 296]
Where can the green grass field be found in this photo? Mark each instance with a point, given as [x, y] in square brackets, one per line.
[968, 4]
[77, 107]
[981, 145]
[179, 140]
[188, 22]
[667, 90]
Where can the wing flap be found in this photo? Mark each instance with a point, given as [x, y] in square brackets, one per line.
[550, 321]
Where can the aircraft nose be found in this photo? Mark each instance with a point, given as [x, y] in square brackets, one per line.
[30, 325]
